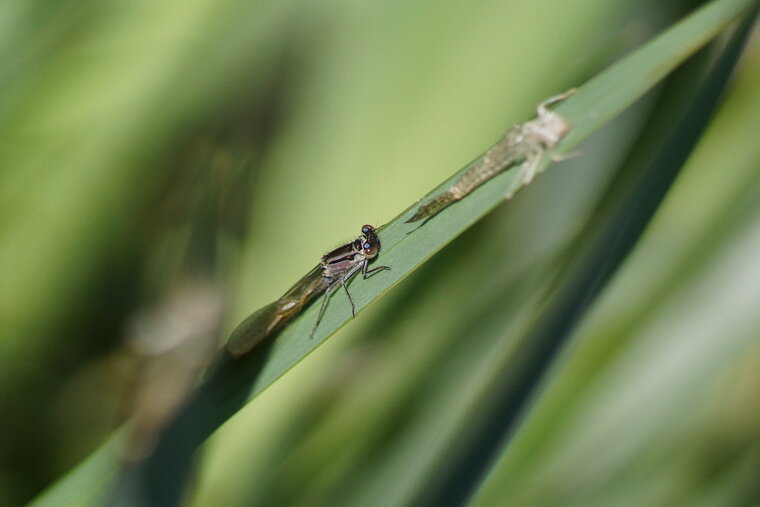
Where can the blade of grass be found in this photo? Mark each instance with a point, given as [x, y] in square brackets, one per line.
[231, 385]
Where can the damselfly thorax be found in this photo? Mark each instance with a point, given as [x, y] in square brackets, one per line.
[335, 269]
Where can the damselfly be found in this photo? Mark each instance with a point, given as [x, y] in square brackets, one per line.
[335, 269]
[523, 144]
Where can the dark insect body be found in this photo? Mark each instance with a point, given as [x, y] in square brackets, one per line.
[335, 269]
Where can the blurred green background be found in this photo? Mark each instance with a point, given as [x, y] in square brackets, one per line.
[151, 146]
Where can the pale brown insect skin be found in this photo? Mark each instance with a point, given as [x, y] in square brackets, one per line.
[523, 144]
[335, 269]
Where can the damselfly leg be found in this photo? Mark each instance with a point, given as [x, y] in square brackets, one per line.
[343, 280]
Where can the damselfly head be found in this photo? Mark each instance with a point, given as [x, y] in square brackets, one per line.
[371, 243]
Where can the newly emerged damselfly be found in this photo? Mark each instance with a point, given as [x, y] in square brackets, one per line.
[335, 269]
[523, 144]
